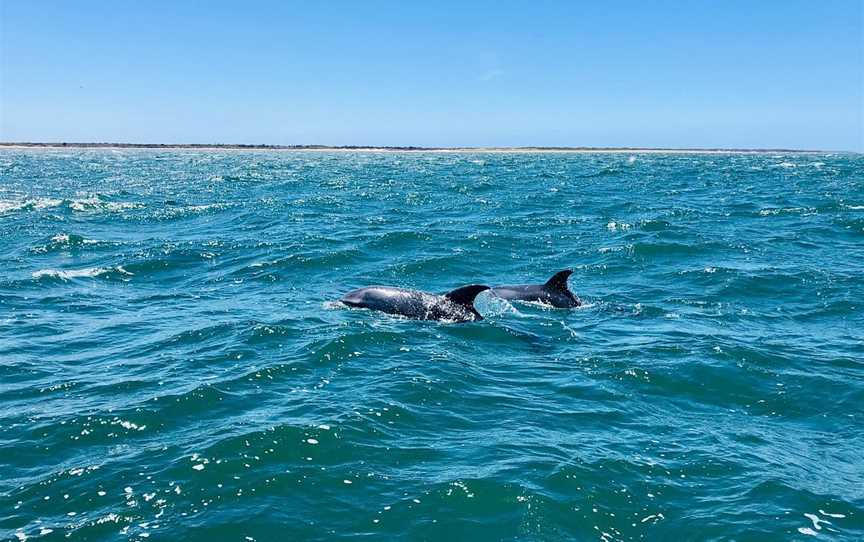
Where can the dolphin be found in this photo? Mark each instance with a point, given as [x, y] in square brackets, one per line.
[554, 292]
[456, 306]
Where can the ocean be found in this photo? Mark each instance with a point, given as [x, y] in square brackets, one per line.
[174, 365]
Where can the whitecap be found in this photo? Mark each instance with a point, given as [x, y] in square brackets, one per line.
[129, 425]
[66, 274]
[33, 203]
[176, 212]
[604, 250]
[96, 204]
[790, 210]
[67, 239]
[6, 205]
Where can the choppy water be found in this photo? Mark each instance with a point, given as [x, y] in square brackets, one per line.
[171, 364]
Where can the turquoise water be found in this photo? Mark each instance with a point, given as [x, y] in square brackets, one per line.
[174, 367]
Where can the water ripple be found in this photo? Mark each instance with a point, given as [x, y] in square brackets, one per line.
[175, 364]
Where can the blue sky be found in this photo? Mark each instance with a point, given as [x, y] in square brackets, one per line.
[683, 74]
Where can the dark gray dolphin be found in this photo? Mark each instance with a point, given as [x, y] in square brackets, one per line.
[457, 306]
[554, 292]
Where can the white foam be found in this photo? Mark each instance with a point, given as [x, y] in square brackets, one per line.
[33, 203]
[792, 210]
[604, 250]
[62, 238]
[817, 521]
[192, 209]
[112, 517]
[129, 425]
[6, 205]
[70, 273]
[96, 204]
[87, 272]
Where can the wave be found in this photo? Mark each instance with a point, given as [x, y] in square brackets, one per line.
[779, 211]
[98, 204]
[68, 241]
[173, 211]
[87, 272]
[9, 206]
[172, 329]
[90, 204]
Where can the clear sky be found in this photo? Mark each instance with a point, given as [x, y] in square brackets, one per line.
[642, 73]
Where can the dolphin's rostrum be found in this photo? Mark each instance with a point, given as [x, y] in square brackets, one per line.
[554, 292]
[456, 306]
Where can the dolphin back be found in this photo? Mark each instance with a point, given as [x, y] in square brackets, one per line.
[553, 292]
[457, 305]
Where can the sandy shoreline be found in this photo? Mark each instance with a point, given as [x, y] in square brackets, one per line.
[463, 150]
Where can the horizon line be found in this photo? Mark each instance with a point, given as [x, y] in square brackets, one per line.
[395, 148]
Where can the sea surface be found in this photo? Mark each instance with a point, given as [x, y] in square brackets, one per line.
[174, 366]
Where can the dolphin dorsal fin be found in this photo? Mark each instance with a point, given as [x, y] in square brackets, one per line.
[558, 282]
[466, 294]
